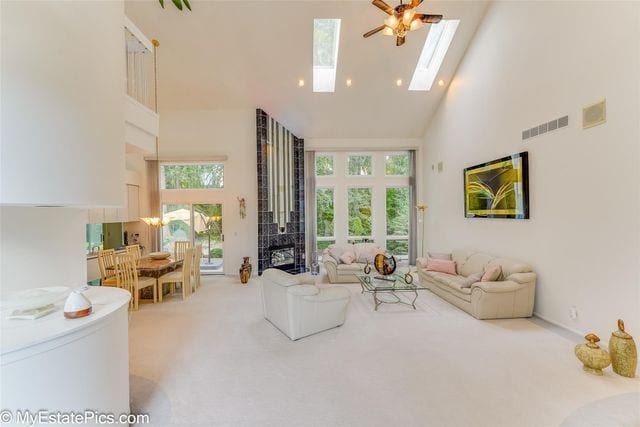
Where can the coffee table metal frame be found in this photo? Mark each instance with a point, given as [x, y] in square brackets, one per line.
[390, 285]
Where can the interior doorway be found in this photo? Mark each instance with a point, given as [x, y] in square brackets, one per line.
[200, 224]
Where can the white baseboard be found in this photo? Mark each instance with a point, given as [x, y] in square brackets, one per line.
[574, 333]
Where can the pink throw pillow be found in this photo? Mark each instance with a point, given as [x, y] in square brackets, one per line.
[492, 274]
[441, 266]
[347, 257]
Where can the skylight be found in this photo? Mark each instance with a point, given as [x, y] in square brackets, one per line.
[433, 53]
[326, 38]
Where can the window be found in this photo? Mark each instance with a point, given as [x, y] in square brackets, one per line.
[191, 176]
[326, 37]
[433, 53]
[324, 165]
[360, 165]
[397, 212]
[324, 212]
[396, 165]
[359, 208]
[94, 238]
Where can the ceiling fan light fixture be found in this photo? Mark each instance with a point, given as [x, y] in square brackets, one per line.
[415, 25]
[388, 31]
[391, 22]
[408, 15]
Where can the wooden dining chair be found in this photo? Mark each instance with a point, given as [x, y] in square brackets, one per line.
[179, 248]
[197, 256]
[127, 278]
[182, 276]
[135, 251]
[107, 265]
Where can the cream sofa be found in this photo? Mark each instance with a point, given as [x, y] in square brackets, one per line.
[297, 307]
[339, 272]
[512, 296]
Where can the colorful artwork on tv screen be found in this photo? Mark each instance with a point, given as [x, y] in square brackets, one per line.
[498, 189]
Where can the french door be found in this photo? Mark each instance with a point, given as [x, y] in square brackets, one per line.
[200, 224]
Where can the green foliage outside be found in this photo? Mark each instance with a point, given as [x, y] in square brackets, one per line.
[209, 215]
[398, 247]
[360, 165]
[324, 42]
[359, 207]
[324, 165]
[397, 164]
[397, 211]
[325, 212]
[175, 177]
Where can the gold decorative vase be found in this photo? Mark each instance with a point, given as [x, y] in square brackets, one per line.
[593, 358]
[624, 355]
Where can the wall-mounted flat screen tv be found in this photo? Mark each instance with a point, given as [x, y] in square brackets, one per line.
[498, 189]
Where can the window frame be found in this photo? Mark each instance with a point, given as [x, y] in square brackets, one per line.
[324, 238]
[396, 237]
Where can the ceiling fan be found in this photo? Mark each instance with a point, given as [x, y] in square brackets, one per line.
[402, 19]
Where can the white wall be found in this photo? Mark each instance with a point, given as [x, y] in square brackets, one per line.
[220, 132]
[62, 103]
[41, 247]
[62, 134]
[530, 63]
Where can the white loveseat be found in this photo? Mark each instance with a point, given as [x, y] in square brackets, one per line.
[512, 296]
[300, 309]
[338, 271]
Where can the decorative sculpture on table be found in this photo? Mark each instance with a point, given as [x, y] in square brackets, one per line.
[624, 355]
[384, 265]
[243, 207]
[367, 268]
[245, 270]
[593, 358]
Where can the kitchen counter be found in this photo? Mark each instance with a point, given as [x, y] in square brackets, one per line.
[66, 365]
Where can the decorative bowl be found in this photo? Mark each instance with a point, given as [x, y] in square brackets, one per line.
[159, 255]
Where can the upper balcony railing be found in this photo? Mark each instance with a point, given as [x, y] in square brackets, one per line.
[140, 66]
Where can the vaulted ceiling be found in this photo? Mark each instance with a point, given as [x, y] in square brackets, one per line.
[246, 54]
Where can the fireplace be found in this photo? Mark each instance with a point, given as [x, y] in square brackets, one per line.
[282, 257]
[281, 231]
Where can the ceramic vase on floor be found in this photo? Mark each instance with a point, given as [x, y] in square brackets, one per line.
[593, 358]
[245, 270]
[624, 355]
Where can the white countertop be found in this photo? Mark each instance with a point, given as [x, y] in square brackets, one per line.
[18, 335]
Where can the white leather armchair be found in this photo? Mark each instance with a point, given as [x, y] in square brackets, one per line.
[299, 309]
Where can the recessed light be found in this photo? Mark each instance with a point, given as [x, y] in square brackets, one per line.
[349, 83]
[399, 82]
[300, 83]
[440, 82]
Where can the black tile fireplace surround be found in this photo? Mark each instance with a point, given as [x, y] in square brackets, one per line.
[279, 245]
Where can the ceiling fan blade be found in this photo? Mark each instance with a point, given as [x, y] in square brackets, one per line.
[399, 41]
[382, 5]
[429, 19]
[372, 32]
[415, 3]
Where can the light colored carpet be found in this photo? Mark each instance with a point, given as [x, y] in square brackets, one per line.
[214, 361]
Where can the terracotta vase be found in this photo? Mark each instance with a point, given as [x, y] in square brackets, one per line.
[245, 270]
[593, 358]
[624, 355]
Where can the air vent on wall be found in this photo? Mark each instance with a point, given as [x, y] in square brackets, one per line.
[545, 127]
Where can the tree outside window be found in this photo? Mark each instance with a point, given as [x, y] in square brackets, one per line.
[396, 165]
[324, 165]
[359, 207]
[324, 212]
[192, 176]
[360, 165]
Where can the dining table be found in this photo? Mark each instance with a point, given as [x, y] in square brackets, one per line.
[155, 268]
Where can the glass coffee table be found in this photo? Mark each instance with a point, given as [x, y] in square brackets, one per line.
[385, 289]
